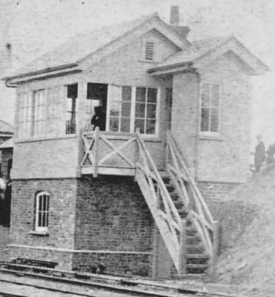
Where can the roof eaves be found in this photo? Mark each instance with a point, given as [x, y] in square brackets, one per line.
[170, 67]
[42, 71]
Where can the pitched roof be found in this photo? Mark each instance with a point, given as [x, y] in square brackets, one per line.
[201, 48]
[7, 144]
[5, 127]
[83, 45]
[196, 50]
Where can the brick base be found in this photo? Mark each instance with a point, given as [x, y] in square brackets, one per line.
[63, 258]
[115, 263]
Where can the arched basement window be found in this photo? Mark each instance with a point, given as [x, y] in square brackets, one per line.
[42, 212]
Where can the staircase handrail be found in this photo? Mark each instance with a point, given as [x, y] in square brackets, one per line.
[198, 196]
[158, 179]
[200, 215]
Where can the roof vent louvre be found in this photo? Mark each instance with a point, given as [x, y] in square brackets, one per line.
[149, 51]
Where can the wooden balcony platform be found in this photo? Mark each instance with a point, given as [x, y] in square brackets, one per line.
[105, 170]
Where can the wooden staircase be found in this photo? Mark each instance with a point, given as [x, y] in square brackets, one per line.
[179, 210]
[197, 259]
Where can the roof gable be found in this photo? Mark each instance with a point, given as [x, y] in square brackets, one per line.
[6, 128]
[203, 52]
[85, 49]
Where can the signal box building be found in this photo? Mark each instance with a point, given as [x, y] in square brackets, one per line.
[135, 195]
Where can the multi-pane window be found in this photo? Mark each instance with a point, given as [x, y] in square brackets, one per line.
[132, 108]
[39, 113]
[120, 109]
[55, 110]
[25, 115]
[42, 212]
[146, 108]
[210, 107]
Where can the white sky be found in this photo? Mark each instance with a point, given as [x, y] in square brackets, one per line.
[35, 26]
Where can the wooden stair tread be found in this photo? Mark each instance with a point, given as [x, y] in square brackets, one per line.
[197, 256]
[197, 265]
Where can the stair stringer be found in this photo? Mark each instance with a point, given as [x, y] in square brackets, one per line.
[164, 230]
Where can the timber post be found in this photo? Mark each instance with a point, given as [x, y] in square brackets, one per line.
[215, 242]
[182, 252]
[96, 135]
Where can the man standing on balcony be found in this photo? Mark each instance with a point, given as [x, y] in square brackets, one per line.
[98, 119]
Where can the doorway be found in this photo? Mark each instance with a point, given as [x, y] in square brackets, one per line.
[96, 96]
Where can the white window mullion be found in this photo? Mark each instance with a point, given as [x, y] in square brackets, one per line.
[210, 106]
[157, 111]
[120, 109]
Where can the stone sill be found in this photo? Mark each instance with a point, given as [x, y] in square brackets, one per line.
[39, 233]
[211, 137]
[147, 61]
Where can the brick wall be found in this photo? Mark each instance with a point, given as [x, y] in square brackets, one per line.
[226, 158]
[63, 258]
[116, 263]
[112, 215]
[185, 115]
[61, 212]
[54, 158]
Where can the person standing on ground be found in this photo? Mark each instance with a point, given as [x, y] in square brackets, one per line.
[259, 154]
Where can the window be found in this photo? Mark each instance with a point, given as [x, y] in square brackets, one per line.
[149, 51]
[55, 123]
[25, 115]
[120, 109]
[132, 108]
[42, 212]
[210, 107]
[169, 103]
[39, 113]
[146, 106]
[71, 109]
[42, 112]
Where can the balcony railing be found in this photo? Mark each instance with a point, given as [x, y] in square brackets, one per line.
[106, 153]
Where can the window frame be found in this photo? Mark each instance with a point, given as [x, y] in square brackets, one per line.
[37, 228]
[133, 110]
[209, 132]
[25, 118]
[39, 114]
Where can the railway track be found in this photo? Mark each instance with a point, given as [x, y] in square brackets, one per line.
[97, 283]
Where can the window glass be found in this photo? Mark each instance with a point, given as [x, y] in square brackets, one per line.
[25, 115]
[127, 112]
[140, 94]
[210, 106]
[39, 113]
[42, 211]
